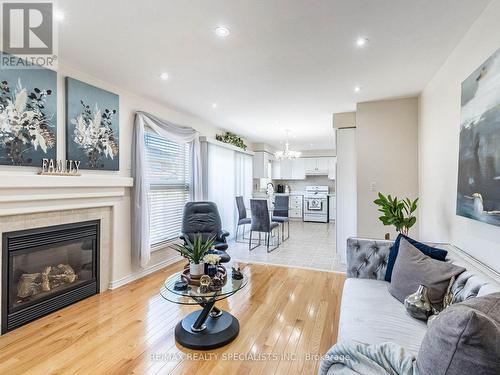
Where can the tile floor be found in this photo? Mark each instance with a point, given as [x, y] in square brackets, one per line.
[311, 245]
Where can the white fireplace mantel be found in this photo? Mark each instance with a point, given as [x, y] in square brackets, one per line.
[21, 194]
[14, 181]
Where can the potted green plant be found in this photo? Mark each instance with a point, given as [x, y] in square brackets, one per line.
[194, 251]
[397, 212]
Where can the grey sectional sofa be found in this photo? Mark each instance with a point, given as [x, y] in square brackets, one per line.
[371, 315]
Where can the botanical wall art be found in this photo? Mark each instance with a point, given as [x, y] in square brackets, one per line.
[28, 116]
[92, 126]
[479, 153]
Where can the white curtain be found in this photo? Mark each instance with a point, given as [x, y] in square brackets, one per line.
[243, 171]
[220, 183]
[140, 207]
[230, 175]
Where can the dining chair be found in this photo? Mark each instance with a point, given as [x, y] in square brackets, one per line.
[280, 214]
[242, 218]
[261, 222]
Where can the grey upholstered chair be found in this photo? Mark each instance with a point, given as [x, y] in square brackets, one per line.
[242, 218]
[280, 214]
[261, 223]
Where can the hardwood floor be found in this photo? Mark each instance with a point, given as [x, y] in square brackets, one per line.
[284, 313]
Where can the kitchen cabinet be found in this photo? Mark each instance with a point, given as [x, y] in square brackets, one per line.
[262, 164]
[309, 165]
[286, 169]
[276, 170]
[292, 169]
[295, 206]
[298, 169]
[317, 166]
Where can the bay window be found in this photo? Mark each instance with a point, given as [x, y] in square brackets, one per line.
[168, 170]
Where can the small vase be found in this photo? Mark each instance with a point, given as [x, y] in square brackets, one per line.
[197, 270]
[211, 270]
[418, 304]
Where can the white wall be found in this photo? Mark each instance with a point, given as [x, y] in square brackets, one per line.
[438, 145]
[386, 143]
[129, 104]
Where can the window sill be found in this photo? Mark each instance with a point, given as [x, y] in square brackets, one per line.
[164, 245]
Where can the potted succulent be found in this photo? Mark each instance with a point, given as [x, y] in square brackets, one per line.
[194, 251]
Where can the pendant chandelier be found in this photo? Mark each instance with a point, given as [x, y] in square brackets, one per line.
[287, 153]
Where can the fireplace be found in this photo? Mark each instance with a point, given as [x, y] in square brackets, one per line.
[46, 269]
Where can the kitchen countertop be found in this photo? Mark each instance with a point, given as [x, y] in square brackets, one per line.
[263, 193]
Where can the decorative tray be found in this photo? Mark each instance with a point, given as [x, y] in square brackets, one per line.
[186, 276]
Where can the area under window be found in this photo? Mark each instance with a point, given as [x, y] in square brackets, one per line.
[168, 166]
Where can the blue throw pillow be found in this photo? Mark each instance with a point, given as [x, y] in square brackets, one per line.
[433, 252]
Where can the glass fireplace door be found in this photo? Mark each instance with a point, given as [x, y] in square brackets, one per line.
[37, 274]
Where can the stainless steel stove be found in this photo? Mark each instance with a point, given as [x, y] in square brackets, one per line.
[316, 204]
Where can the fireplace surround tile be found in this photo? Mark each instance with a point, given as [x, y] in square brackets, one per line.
[44, 219]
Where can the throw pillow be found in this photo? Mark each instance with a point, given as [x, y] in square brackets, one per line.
[433, 252]
[463, 339]
[413, 268]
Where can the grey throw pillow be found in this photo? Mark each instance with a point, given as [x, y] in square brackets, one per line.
[413, 268]
[463, 339]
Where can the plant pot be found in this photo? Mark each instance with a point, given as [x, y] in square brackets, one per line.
[197, 270]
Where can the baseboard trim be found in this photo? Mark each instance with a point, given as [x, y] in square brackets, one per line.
[251, 261]
[142, 273]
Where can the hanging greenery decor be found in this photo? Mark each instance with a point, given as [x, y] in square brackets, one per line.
[232, 139]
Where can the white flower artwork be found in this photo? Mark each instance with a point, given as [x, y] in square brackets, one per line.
[27, 118]
[92, 135]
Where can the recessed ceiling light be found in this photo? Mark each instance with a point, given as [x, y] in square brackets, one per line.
[58, 15]
[361, 41]
[164, 76]
[214, 105]
[357, 88]
[222, 31]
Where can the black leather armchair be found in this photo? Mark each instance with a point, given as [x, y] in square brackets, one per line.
[203, 218]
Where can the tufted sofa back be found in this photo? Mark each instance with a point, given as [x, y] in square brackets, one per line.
[367, 259]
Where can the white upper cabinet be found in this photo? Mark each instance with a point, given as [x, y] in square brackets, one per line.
[261, 162]
[298, 169]
[309, 164]
[317, 166]
[322, 164]
[286, 169]
[276, 170]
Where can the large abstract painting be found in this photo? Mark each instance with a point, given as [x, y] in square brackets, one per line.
[479, 156]
[28, 116]
[92, 126]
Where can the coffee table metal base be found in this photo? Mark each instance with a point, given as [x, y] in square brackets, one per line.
[219, 331]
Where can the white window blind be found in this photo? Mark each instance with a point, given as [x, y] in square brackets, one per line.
[168, 165]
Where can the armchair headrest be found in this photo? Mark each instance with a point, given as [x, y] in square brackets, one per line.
[201, 217]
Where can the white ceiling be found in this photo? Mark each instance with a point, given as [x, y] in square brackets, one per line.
[287, 64]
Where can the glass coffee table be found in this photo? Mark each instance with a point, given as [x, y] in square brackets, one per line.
[210, 327]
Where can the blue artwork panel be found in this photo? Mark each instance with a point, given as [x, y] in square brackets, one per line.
[479, 152]
[92, 126]
[28, 116]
